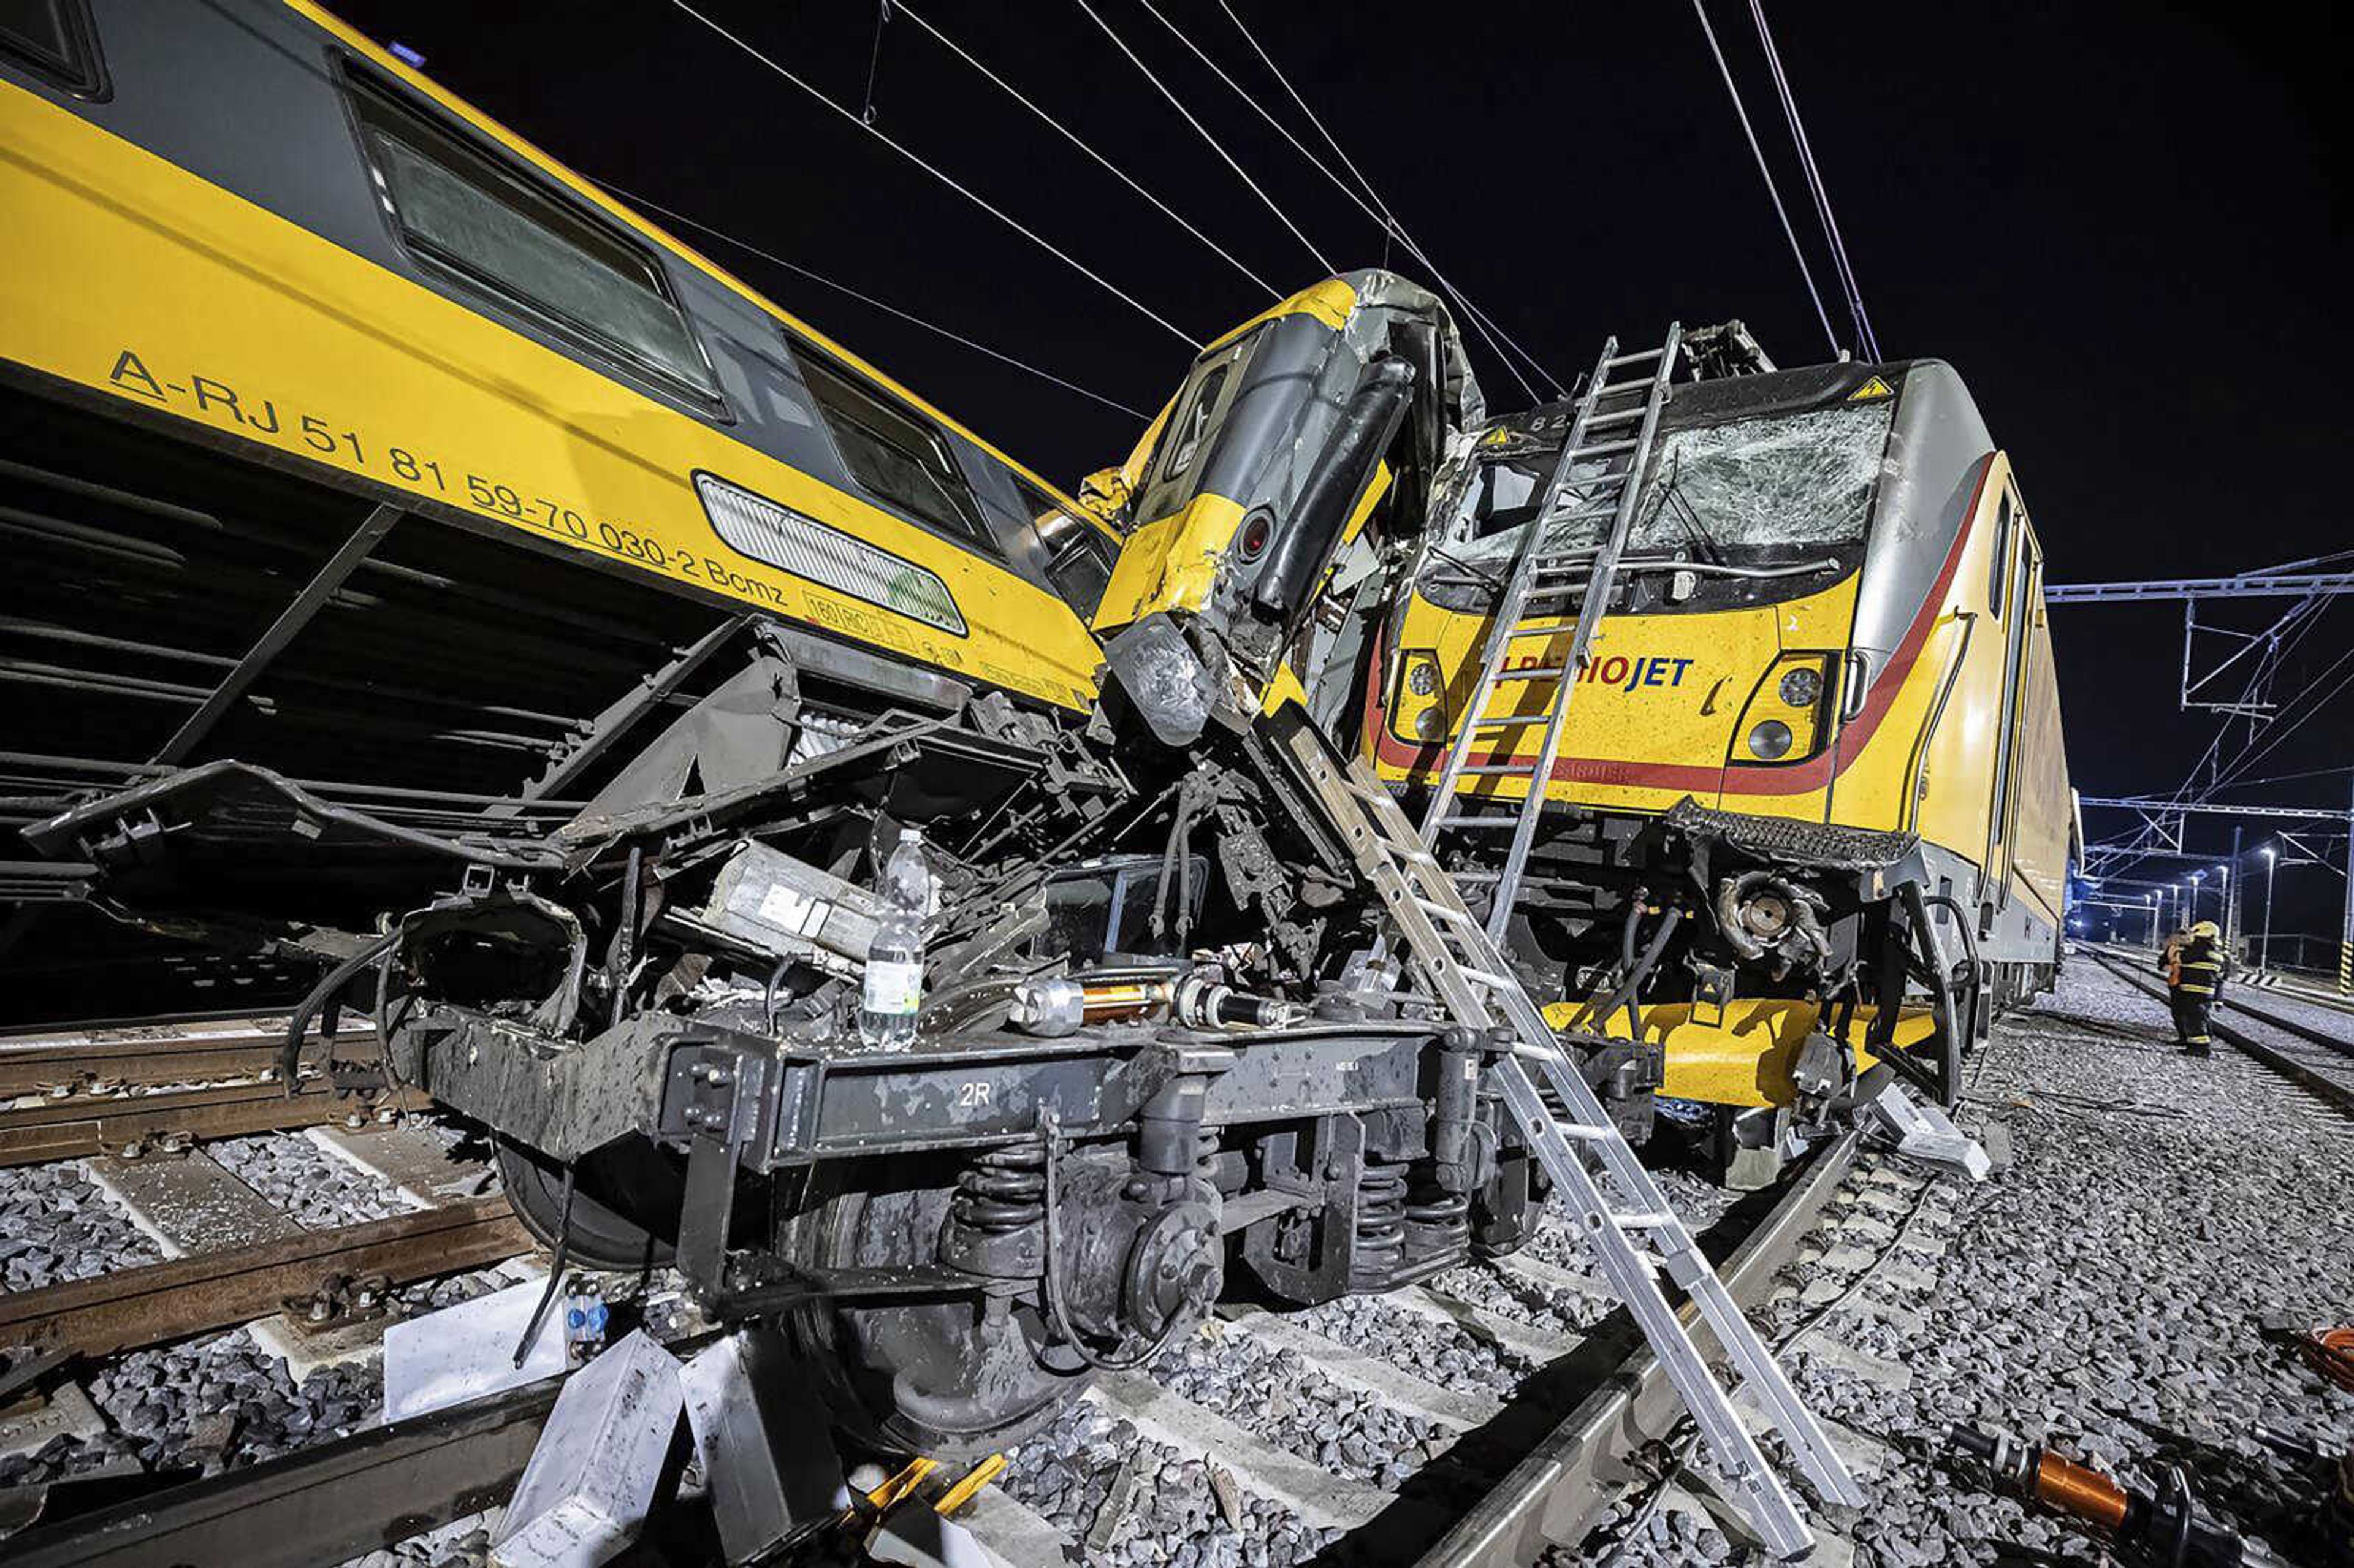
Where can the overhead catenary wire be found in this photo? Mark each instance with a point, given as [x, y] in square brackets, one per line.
[1497, 339]
[1215, 145]
[1866, 339]
[1074, 138]
[945, 178]
[749, 249]
[1773, 190]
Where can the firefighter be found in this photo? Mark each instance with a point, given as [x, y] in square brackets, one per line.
[2193, 962]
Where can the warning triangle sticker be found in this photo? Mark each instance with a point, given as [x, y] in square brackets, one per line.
[1875, 387]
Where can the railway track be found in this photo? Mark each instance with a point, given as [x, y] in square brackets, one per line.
[131, 1307]
[1508, 1471]
[2312, 1057]
[130, 1091]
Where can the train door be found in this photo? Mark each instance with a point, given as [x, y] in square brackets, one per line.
[2016, 571]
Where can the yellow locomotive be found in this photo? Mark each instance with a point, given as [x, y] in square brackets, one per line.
[1820, 711]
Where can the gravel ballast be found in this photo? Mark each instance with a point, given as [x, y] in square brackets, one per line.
[56, 1225]
[1275, 1395]
[1171, 1516]
[2117, 1291]
[1447, 1354]
[317, 1190]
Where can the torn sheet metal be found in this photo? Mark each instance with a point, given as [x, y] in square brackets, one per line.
[591, 1480]
[763, 1434]
[1924, 1132]
[467, 1351]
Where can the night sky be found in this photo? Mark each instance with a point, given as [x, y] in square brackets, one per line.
[2121, 226]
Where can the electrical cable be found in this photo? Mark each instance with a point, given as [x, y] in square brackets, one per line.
[290, 1055]
[1700, 10]
[1865, 337]
[749, 249]
[948, 180]
[1073, 138]
[1479, 319]
[1215, 147]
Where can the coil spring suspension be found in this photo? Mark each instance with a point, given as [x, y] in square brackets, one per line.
[1002, 1190]
[1381, 1221]
[1437, 1220]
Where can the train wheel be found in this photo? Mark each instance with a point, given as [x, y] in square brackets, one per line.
[959, 1377]
[633, 1174]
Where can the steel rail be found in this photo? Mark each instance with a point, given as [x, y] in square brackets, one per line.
[340, 1500]
[164, 1301]
[1558, 1492]
[327, 1503]
[80, 1126]
[2339, 1095]
[194, 1052]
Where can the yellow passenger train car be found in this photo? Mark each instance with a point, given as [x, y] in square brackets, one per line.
[361, 440]
[1820, 714]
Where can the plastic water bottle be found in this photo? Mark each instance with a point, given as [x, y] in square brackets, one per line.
[894, 960]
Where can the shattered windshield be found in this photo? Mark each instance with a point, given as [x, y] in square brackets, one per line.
[1781, 480]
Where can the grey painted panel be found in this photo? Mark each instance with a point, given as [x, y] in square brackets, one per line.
[1936, 454]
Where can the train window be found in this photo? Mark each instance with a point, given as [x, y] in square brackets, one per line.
[1202, 408]
[896, 452]
[1078, 559]
[1779, 482]
[1998, 572]
[53, 39]
[461, 209]
[1185, 437]
[767, 531]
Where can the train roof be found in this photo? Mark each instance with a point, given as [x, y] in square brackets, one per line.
[1801, 389]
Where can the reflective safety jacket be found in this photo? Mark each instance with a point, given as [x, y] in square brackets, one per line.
[2197, 967]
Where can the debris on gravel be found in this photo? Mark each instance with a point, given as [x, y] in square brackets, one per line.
[2120, 1291]
[207, 1405]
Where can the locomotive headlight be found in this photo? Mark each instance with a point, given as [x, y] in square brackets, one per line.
[1421, 677]
[1770, 741]
[1801, 686]
[1430, 724]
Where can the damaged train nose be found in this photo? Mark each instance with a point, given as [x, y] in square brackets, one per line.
[1762, 914]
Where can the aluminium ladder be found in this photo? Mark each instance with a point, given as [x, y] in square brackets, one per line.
[1619, 1208]
[1540, 576]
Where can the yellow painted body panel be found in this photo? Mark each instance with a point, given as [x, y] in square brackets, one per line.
[1169, 565]
[1662, 692]
[1330, 302]
[122, 273]
[589, 191]
[2040, 835]
[1742, 1056]
[1956, 808]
